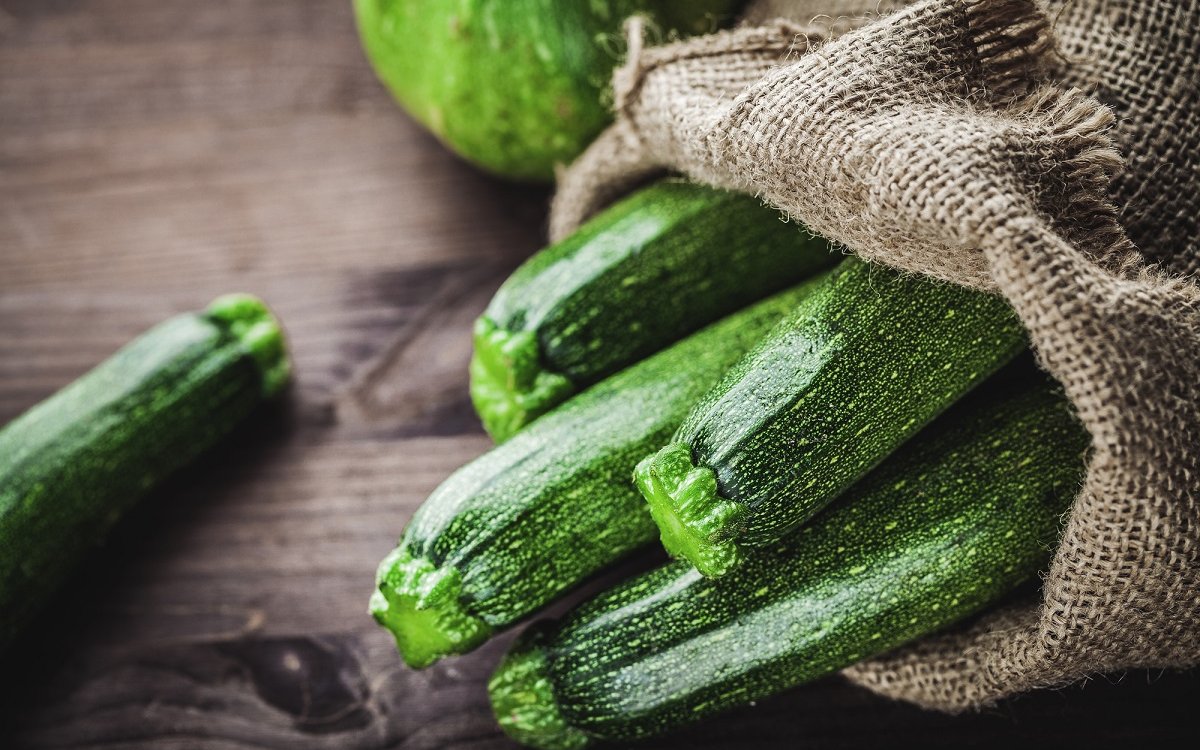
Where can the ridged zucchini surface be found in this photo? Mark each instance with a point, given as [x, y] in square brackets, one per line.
[666, 261]
[948, 525]
[862, 364]
[525, 522]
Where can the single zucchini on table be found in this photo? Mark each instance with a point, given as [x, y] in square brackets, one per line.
[862, 364]
[509, 532]
[664, 262]
[950, 523]
[71, 465]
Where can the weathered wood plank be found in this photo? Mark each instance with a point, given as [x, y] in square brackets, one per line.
[318, 195]
[347, 692]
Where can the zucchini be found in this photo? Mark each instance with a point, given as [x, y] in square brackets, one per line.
[509, 532]
[71, 465]
[867, 359]
[516, 87]
[643, 274]
[948, 525]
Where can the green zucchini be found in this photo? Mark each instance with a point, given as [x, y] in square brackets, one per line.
[949, 524]
[512, 530]
[71, 465]
[664, 262]
[867, 359]
[516, 87]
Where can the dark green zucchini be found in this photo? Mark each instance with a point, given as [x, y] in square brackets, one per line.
[953, 521]
[509, 532]
[868, 359]
[651, 269]
[71, 465]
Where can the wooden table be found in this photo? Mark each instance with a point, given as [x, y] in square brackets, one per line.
[154, 154]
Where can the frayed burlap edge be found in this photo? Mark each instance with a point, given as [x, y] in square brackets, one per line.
[929, 140]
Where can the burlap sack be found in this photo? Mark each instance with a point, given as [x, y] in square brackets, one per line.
[946, 139]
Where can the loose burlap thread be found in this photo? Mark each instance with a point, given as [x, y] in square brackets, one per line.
[1047, 152]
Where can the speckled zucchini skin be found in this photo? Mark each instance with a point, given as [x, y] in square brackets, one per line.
[666, 261]
[525, 522]
[514, 86]
[950, 523]
[73, 464]
[867, 360]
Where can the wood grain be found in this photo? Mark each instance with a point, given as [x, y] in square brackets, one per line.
[156, 153]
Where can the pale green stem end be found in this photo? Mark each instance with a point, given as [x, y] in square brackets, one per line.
[694, 521]
[259, 332]
[524, 703]
[509, 386]
[420, 604]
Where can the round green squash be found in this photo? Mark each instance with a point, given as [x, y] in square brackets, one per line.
[515, 86]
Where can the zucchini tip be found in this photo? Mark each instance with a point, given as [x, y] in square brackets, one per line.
[523, 701]
[249, 320]
[694, 521]
[509, 386]
[420, 604]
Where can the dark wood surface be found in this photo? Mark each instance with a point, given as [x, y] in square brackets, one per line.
[156, 153]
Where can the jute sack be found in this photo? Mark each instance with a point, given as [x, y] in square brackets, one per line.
[1049, 153]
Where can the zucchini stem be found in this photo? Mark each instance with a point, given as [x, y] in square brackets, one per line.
[509, 386]
[420, 604]
[523, 699]
[694, 521]
[249, 321]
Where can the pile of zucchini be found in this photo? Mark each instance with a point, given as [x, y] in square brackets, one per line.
[802, 431]
[840, 458]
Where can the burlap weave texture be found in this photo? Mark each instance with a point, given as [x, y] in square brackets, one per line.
[1048, 152]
